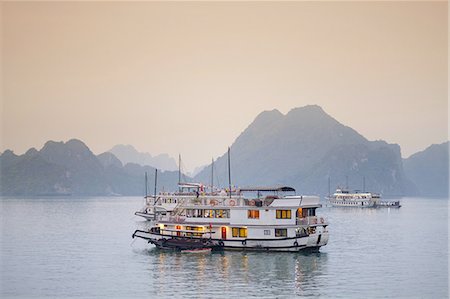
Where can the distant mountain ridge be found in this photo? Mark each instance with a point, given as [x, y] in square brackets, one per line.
[72, 169]
[128, 154]
[304, 148]
[429, 170]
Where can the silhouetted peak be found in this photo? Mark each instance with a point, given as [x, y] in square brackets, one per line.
[432, 149]
[8, 153]
[108, 159]
[77, 145]
[31, 152]
[267, 117]
[308, 112]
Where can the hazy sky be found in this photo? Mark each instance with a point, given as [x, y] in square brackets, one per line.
[188, 78]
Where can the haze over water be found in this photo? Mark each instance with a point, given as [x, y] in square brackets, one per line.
[82, 247]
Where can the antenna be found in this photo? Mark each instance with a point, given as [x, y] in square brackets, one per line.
[346, 182]
[229, 171]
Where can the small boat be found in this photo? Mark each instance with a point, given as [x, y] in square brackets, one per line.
[197, 250]
[388, 204]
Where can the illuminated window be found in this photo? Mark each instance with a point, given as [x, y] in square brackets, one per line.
[253, 214]
[239, 232]
[280, 232]
[283, 214]
[194, 228]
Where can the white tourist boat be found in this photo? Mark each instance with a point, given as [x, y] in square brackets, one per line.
[345, 198]
[229, 220]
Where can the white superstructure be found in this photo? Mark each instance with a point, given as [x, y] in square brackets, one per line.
[345, 198]
[232, 221]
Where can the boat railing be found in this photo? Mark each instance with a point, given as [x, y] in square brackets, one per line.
[310, 220]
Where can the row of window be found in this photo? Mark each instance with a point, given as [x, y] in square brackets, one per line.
[200, 213]
[251, 214]
[241, 232]
[281, 214]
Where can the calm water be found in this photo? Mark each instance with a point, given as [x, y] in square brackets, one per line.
[82, 247]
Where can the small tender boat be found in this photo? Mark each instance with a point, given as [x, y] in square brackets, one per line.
[388, 204]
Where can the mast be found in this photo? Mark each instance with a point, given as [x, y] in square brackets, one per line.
[179, 172]
[364, 184]
[156, 181]
[146, 193]
[329, 186]
[346, 182]
[212, 174]
[229, 171]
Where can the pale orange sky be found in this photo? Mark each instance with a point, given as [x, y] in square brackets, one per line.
[189, 77]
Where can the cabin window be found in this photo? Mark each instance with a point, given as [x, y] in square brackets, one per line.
[281, 232]
[239, 232]
[253, 214]
[267, 232]
[195, 228]
[283, 214]
[311, 212]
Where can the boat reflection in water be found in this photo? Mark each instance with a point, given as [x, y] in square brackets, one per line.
[236, 273]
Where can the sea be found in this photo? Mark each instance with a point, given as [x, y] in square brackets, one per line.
[81, 247]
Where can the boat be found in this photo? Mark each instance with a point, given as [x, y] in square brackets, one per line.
[388, 204]
[252, 218]
[346, 198]
[230, 220]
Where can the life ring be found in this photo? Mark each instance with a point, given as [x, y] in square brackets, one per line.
[221, 243]
[251, 202]
[296, 244]
[244, 242]
[232, 203]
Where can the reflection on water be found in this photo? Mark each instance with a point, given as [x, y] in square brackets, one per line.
[259, 274]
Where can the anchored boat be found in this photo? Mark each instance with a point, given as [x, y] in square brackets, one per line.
[232, 221]
[345, 198]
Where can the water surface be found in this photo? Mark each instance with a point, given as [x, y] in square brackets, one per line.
[82, 247]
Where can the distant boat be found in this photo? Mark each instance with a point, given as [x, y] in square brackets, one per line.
[345, 198]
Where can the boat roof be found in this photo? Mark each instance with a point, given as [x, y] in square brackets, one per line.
[268, 189]
[190, 185]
